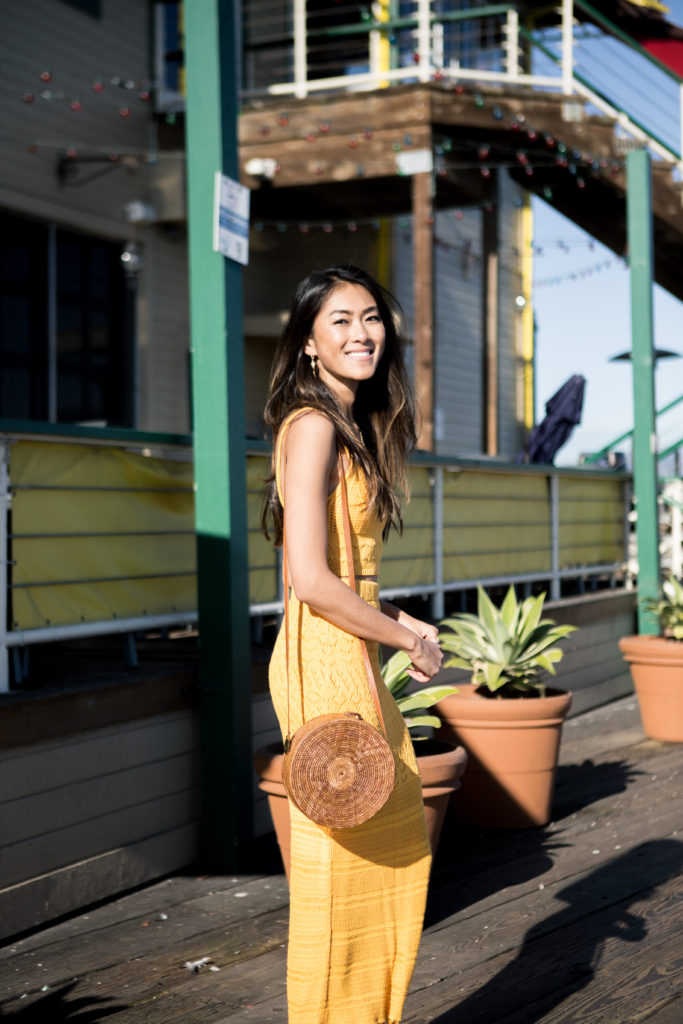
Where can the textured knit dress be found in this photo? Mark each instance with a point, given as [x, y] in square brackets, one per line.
[357, 896]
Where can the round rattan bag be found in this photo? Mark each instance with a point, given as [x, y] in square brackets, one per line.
[338, 770]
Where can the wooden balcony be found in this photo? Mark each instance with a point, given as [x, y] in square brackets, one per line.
[343, 156]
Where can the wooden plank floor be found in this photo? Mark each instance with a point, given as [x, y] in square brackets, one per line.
[579, 922]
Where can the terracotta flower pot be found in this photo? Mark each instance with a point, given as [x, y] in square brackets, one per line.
[513, 746]
[656, 665]
[441, 766]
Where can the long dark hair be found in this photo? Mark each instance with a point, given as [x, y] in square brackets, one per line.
[383, 410]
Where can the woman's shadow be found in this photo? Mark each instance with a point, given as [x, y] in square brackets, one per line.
[471, 863]
[58, 1007]
[561, 954]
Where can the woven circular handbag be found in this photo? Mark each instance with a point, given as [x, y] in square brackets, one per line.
[337, 769]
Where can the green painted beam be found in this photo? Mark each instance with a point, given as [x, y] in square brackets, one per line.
[394, 23]
[640, 247]
[219, 442]
[41, 428]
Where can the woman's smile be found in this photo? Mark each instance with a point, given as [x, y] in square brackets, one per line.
[347, 341]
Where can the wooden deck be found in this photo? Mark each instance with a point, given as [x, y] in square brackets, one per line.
[578, 922]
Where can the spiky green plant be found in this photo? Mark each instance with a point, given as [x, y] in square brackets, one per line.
[669, 608]
[395, 675]
[507, 649]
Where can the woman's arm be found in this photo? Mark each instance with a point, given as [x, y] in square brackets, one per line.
[309, 473]
[424, 629]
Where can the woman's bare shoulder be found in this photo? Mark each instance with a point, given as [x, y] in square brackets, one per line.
[312, 427]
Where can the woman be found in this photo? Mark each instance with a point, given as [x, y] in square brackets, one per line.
[357, 895]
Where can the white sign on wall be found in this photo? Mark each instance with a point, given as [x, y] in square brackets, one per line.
[231, 219]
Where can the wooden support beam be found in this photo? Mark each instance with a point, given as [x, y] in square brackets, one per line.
[423, 305]
[490, 322]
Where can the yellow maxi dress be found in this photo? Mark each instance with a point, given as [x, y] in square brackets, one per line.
[357, 896]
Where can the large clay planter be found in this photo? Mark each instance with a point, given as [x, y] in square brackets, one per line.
[512, 746]
[656, 665]
[441, 766]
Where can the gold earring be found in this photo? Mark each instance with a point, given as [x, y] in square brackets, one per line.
[314, 366]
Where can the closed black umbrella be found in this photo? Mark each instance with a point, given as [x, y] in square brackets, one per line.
[562, 414]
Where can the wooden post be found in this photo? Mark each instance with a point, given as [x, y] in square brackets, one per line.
[423, 306]
[490, 321]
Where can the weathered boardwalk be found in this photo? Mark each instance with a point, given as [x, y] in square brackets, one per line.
[579, 922]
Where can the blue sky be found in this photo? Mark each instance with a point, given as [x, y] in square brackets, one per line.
[582, 322]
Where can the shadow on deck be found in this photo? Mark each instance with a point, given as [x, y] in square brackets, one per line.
[578, 921]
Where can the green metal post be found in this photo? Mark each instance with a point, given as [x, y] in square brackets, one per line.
[219, 442]
[640, 246]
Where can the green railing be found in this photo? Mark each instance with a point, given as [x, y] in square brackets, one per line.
[595, 457]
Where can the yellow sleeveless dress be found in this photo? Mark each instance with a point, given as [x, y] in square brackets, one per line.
[357, 896]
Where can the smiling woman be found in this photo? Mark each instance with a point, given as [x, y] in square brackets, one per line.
[347, 342]
[342, 417]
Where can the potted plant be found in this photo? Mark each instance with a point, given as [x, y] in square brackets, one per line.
[508, 721]
[656, 664]
[441, 763]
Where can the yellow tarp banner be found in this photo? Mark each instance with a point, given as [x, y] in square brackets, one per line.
[98, 533]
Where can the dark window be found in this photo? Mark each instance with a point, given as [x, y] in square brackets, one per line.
[23, 319]
[93, 305]
[91, 343]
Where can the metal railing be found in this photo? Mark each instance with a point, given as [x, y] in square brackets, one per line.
[596, 457]
[79, 515]
[475, 522]
[96, 537]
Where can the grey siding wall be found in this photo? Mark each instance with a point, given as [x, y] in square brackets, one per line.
[459, 384]
[164, 336]
[458, 315]
[77, 50]
[86, 816]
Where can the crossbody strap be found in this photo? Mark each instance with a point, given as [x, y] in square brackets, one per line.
[372, 685]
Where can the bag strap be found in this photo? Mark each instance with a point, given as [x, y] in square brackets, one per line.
[372, 685]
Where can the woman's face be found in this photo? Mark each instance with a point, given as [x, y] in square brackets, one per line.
[347, 338]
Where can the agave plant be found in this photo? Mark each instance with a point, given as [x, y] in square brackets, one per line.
[669, 608]
[395, 675]
[507, 649]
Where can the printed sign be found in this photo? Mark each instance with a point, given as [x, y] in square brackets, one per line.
[231, 219]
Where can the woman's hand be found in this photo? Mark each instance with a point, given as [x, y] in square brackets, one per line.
[423, 648]
[425, 657]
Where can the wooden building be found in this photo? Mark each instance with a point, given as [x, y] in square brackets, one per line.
[417, 177]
